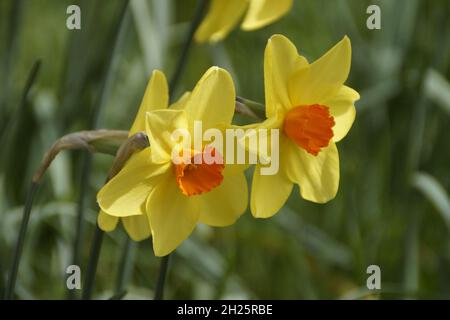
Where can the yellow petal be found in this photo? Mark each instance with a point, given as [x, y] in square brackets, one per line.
[106, 222]
[160, 125]
[137, 227]
[223, 205]
[281, 59]
[126, 193]
[156, 96]
[173, 216]
[323, 78]
[222, 17]
[317, 176]
[269, 193]
[213, 99]
[343, 110]
[263, 12]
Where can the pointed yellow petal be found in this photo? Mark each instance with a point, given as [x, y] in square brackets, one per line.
[222, 17]
[213, 99]
[263, 12]
[269, 193]
[223, 205]
[126, 193]
[343, 110]
[173, 216]
[323, 78]
[156, 96]
[160, 125]
[317, 176]
[281, 60]
[106, 222]
[137, 227]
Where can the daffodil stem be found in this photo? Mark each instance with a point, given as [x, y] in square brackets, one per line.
[11, 284]
[125, 266]
[79, 234]
[92, 265]
[182, 60]
[160, 284]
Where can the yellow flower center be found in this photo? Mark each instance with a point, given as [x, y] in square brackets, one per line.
[194, 179]
[310, 127]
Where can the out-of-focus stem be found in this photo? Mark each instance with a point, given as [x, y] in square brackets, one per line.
[183, 59]
[94, 255]
[160, 284]
[125, 266]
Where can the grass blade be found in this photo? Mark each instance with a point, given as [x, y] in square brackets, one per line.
[11, 284]
[125, 265]
[434, 192]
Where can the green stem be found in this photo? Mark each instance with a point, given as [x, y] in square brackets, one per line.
[11, 284]
[79, 235]
[125, 266]
[12, 125]
[159, 292]
[179, 69]
[88, 286]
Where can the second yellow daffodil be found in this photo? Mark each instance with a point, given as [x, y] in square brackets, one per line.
[313, 109]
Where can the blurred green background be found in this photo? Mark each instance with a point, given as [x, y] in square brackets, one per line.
[393, 206]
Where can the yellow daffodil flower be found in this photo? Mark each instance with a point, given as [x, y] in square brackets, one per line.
[155, 97]
[224, 15]
[175, 197]
[313, 109]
